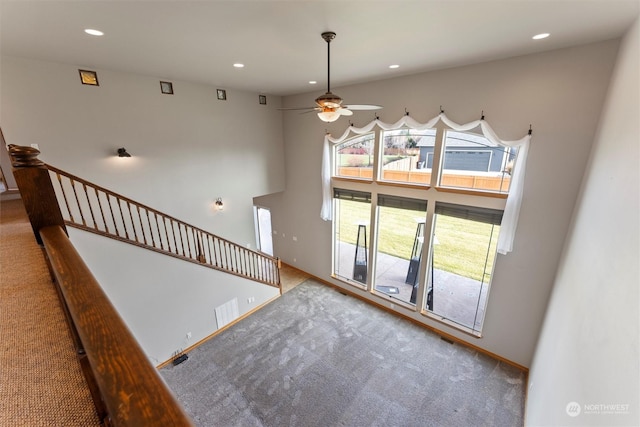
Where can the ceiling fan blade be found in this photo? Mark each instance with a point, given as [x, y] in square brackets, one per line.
[363, 107]
[344, 112]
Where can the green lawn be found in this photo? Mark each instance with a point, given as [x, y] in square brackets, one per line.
[355, 160]
[462, 244]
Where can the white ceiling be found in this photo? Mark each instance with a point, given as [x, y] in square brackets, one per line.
[280, 43]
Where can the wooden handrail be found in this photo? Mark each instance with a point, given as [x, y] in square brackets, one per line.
[131, 388]
[93, 208]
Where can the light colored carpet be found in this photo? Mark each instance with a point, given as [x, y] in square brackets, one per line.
[41, 383]
[316, 357]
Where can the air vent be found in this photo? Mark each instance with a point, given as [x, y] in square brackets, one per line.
[227, 313]
[446, 340]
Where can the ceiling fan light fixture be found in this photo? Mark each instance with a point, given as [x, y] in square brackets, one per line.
[329, 115]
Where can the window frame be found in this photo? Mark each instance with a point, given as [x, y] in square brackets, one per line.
[379, 176]
[358, 196]
[431, 194]
[351, 141]
[479, 215]
[438, 184]
[419, 208]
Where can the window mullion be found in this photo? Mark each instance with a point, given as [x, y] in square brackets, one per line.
[426, 255]
[438, 151]
[377, 149]
[373, 245]
[373, 232]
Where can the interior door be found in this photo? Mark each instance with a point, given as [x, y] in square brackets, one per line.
[263, 222]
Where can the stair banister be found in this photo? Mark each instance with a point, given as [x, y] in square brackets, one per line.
[126, 388]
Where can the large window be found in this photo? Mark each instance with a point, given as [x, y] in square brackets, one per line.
[399, 246]
[354, 158]
[471, 161]
[352, 215]
[463, 255]
[405, 154]
[437, 261]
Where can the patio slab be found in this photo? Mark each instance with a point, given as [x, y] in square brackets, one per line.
[456, 298]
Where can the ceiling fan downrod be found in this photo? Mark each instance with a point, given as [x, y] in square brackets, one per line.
[328, 36]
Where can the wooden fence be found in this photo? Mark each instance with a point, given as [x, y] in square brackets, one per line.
[423, 176]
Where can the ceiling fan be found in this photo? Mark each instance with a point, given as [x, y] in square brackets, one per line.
[329, 105]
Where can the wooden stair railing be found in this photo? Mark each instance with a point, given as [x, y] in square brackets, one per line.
[126, 388]
[98, 210]
[131, 391]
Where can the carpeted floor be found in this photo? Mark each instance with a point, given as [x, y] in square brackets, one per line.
[316, 357]
[40, 379]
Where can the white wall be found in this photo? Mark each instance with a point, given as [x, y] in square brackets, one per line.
[588, 352]
[560, 93]
[188, 148]
[161, 298]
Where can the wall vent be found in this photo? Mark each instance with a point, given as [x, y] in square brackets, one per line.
[227, 313]
[447, 340]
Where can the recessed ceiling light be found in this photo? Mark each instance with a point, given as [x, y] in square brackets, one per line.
[541, 36]
[394, 66]
[312, 82]
[238, 65]
[94, 32]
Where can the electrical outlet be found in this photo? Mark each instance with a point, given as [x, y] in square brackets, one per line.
[188, 335]
[294, 260]
[295, 239]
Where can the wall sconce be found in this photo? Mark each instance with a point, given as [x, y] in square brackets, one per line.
[123, 153]
[219, 204]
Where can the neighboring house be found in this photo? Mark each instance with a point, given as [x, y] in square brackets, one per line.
[465, 152]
